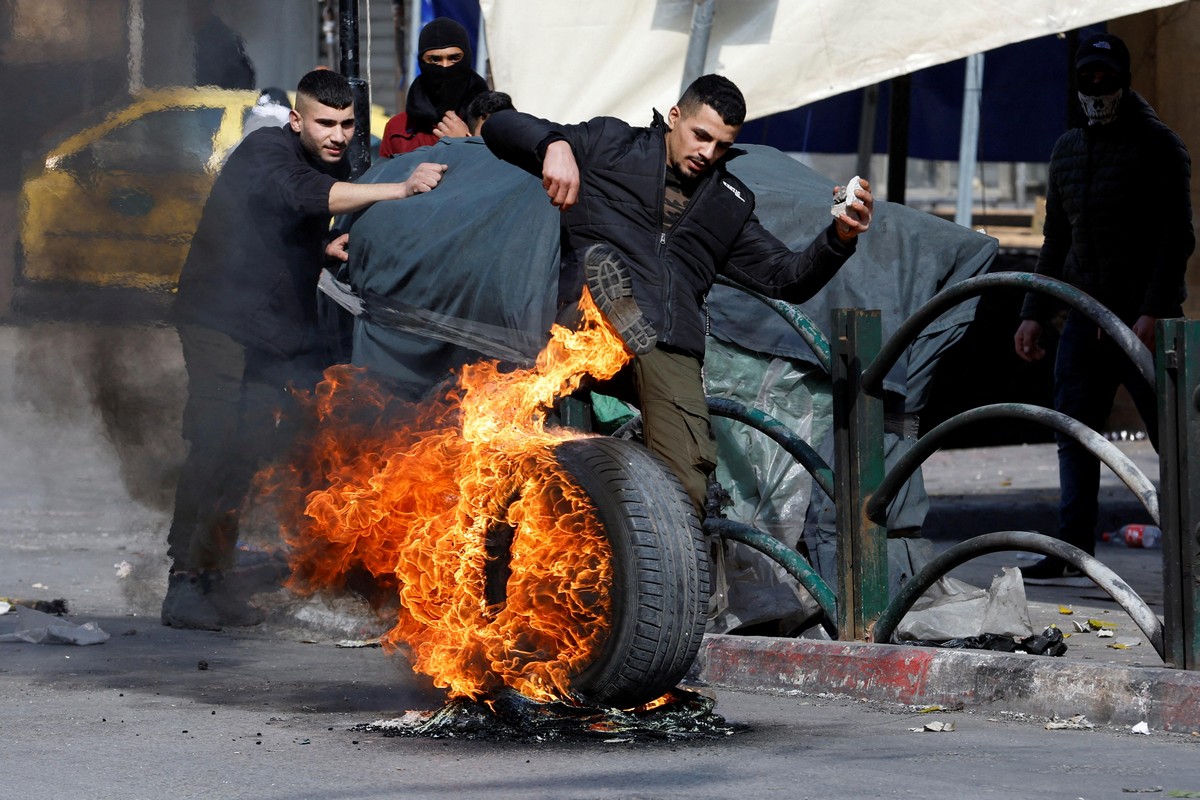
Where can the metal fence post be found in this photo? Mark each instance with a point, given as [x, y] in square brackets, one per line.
[1178, 366]
[858, 469]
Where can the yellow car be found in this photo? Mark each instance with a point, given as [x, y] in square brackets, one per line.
[116, 204]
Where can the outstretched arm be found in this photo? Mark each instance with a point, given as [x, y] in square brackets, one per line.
[346, 198]
[762, 262]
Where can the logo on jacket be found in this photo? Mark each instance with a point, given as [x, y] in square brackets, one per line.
[733, 189]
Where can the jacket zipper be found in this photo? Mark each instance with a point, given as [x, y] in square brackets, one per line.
[664, 238]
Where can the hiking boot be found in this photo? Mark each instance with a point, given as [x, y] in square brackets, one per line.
[1054, 572]
[608, 280]
[187, 605]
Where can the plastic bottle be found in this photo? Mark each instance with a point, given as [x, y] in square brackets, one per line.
[1138, 535]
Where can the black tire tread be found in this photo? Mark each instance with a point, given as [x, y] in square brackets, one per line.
[659, 608]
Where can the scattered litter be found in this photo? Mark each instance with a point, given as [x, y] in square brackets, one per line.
[1048, 643]
[1081, 627]
[359, 643]
[123, 569]
[1147, 790]
[37, 627]
[1076, 723]
[1125, 644]
[935, 727]
[1100, 624]
[1141, 727]
[5, 607]
[954, 610]
[1105, 633]
[40, 586]
[1182, 793]
[57, 606]
[1066, 610]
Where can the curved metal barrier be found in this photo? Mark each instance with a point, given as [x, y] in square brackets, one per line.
[786, 557]
[928, 444]
[868, 381]
[1105, 578]
[808, 330]
[764, 423]
[951, 296]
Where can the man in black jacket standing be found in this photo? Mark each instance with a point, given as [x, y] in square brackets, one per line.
[247, 319]
[650, 217]
[1105, 177]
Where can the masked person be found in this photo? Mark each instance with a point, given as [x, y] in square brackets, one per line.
[1107, 179]
[438, 99]
[650, 218]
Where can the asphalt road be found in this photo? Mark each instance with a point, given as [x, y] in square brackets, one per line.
[275, 712]
[271, 716]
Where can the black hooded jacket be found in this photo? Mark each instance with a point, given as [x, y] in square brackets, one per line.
[1119, 215]
[622, 173]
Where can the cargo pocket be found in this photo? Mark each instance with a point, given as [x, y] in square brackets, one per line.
[700, 444]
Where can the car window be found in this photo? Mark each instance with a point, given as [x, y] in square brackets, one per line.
[172, 140]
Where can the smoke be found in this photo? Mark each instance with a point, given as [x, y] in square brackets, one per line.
[104, 394]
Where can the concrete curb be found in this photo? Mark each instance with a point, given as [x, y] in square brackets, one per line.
[1166, 699]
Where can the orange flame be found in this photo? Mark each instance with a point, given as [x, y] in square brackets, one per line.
[429, 507]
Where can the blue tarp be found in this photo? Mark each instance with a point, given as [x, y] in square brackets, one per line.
[1024, 109]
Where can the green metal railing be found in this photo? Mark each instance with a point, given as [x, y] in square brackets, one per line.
[857, 362]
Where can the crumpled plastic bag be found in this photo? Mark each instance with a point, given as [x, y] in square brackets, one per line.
[952, 609]
[35, 627]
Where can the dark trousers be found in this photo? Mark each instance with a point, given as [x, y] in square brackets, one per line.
[238, 415]
[668, 389]
[1087, 372]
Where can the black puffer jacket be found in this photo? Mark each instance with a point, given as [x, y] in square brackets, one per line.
[622, 171]
[1118, 203]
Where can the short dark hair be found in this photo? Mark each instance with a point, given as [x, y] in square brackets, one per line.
[327, 87]
[485, 104]
[718, 92]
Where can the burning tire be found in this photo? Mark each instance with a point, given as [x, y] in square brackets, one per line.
[660, 571]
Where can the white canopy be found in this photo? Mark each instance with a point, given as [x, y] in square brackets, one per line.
[570, 60]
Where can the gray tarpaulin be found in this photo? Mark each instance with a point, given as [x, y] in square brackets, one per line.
[466, 271]
[470, 271]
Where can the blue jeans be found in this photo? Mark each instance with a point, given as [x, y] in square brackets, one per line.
[1087, 372]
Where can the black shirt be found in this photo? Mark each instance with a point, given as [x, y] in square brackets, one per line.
[259, 248]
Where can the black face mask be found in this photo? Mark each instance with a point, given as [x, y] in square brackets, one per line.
[445, 85]
[440, 89]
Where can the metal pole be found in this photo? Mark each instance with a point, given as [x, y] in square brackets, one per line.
[414, 38]
[968, 144]
[899, 117]
[1179, 467]
[862, 563]
[360, 145]
[697, 52]
[137, 49]
[866, 131]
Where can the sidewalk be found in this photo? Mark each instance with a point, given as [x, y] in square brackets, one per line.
[83, 517]
[976, 491]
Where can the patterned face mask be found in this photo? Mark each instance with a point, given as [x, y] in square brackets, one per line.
[1101, 109]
